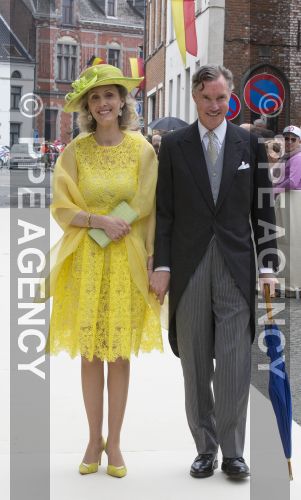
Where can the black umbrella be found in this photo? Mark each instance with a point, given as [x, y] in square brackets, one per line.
[168, 123]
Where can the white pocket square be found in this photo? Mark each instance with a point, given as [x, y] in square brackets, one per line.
[243, 166]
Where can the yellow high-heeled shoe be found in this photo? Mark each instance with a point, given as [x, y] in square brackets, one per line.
[93, 467]
[114, 471]
[117, 471]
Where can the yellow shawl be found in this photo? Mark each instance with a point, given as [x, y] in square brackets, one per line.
[68, 201]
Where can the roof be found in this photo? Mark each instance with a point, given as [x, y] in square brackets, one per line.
[129, 12]
[11, 49]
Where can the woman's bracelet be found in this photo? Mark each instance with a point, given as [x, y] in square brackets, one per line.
[89, 220]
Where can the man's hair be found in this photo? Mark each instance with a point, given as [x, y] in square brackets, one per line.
[211, 72]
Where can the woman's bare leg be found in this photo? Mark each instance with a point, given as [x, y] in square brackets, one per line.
[118, 384]
[92, 385]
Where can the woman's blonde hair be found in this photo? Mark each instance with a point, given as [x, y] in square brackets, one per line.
[128, 119]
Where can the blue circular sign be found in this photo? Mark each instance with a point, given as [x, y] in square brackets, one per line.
[234, 107]
[264, 94]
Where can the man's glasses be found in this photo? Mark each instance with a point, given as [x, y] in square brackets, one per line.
[290, 139]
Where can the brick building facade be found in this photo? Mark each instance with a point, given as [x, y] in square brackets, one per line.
[67, 34]
[248, 36]
[265, 37]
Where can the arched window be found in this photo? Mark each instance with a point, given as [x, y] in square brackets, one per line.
[16, 74]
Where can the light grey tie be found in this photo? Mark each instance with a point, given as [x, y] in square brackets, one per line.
[212, 148]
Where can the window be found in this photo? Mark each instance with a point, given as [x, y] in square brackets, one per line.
[150, 42]
[11, 50]
[15, 96]
[50, 124]
[156, 24]
[14, 133]
[171, 26]
[187, 95]
[170, 97]
[178, 96]
[16, 74]
[67, 11]
[162, 23]
[160, 103]
[113, 57]
[111, 8]
[152, 108]
[140, 51]
[66, 62]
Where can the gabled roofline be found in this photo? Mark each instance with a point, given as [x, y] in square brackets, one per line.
[17, 39]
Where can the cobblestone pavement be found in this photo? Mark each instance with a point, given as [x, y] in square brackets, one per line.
[291, 314]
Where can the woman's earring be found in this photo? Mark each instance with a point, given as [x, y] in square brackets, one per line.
[90, 117]
[120, 112]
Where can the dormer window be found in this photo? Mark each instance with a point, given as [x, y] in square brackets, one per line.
[111, 8]
[67, 11]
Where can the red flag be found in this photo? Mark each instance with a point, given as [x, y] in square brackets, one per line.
[183, 12]
[190, 31]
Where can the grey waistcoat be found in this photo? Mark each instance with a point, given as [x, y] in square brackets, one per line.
[215, 171]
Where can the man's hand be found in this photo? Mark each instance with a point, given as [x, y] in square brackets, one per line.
[159, 284]
[270, 280]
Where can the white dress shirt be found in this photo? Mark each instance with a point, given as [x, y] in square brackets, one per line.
[220, 134]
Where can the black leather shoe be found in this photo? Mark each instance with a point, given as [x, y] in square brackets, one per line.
[235, 468]
[204, 465]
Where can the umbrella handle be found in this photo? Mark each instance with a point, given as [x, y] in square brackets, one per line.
[268, 301]
[290, 471]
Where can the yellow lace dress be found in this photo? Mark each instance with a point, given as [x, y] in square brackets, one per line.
[97, 308]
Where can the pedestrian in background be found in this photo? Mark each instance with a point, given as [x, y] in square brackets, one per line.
[156, 142]
[287, 188]
[290, 175]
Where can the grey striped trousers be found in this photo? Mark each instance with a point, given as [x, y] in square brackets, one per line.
[213, 320]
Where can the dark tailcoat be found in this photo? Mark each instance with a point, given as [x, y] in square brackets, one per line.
[187, 217]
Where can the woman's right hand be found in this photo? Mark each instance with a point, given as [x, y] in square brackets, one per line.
[115, 228]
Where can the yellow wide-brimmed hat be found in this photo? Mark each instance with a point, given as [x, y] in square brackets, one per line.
[94, 76]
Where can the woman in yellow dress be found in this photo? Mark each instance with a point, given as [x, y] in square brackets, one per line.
[102, 307]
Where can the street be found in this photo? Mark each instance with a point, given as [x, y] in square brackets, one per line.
[11, 180]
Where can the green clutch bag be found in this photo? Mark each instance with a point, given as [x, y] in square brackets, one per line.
[123, 211]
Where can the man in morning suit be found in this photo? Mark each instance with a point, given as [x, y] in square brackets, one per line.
[209, 200]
